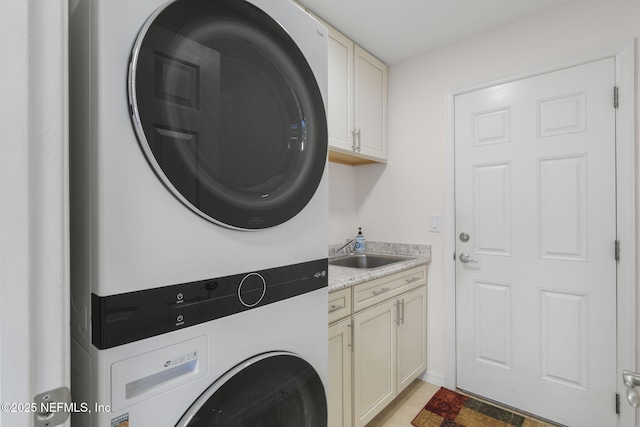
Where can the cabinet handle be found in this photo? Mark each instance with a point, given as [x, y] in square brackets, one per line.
[356, 140]
[413, 279]
[335, 308]
[381, 291]
[400, 309]
[350, 339]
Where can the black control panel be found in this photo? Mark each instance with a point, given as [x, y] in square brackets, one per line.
[124, 318]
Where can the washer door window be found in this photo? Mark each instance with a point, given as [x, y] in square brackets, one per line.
[270, 390]
[228, 112]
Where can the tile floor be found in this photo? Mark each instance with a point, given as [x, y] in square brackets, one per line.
[406, 406]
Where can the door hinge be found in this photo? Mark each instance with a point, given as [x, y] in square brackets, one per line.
[615, 97]
[617, 250]
[52, 407]
[618, 403]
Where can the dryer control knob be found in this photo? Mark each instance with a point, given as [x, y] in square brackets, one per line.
[252, 289]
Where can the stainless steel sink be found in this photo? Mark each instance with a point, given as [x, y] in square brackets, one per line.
[366, 260]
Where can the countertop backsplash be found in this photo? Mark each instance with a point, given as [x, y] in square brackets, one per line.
[390, 249]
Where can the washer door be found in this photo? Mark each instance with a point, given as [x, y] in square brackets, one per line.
[270, 390]
[228, 112]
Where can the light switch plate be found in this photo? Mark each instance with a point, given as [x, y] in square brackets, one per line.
[435, 223]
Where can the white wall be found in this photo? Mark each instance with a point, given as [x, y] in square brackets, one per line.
[343, 203]
[394, 201]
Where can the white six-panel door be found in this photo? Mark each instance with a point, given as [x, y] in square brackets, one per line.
[535, 209]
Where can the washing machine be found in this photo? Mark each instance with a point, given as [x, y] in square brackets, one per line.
[263, 366]
[198, 149]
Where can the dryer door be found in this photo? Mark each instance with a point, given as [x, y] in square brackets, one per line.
[274, 389]
[228, 112]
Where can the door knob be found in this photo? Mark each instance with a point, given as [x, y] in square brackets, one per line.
[631, 380]
[465, 258]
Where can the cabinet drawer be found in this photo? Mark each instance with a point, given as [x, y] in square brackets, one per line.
[339, 304]
[371, 293]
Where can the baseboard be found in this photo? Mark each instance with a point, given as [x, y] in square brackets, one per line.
[432, 378]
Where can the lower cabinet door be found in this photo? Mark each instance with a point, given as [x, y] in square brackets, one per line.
[374, 360]
[339, 392]
[412, 349]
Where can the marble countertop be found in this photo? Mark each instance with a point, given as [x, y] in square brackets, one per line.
[345, 277]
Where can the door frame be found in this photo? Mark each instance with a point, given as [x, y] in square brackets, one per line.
[624, 54]
[34, 214]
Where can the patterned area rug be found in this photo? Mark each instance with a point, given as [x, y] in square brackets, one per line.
[450, 409]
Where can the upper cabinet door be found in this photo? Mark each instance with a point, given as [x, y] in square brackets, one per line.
[370, 105]
[341, 91]
[357, 109]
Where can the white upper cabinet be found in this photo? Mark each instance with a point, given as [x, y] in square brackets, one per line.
[357, 103]
[370, 106]
[341, 91]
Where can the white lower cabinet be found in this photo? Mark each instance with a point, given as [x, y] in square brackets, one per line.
[385, 342]
[374, 360]
[411, 338]
[339, 393]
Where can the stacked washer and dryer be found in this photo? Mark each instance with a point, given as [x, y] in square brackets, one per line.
[199, 213]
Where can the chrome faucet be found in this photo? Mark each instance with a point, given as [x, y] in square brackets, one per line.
[349, 242]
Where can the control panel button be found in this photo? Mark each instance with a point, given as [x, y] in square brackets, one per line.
[184, 315]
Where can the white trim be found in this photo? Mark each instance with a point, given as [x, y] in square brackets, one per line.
[434, 378]
[34, 213]
[15, 375]
[624, 54]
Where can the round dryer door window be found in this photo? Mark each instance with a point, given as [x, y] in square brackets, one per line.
[271, 390]
[228, 112]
